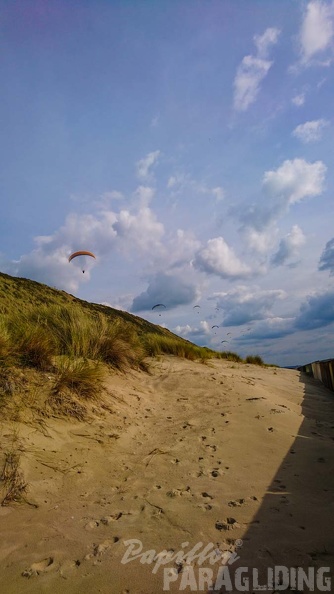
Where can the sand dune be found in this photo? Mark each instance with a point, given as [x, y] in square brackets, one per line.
[235, 455]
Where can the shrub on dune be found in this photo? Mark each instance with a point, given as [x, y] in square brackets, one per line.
[33, 345]
[5, 343]
[84, 378]
[230, 356]
[254, 360]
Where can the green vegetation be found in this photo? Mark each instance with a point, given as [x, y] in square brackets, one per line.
[230, 356]
[254, 360]
[83, 377]
[71, 344]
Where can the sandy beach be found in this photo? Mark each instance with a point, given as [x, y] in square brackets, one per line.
[236, 455]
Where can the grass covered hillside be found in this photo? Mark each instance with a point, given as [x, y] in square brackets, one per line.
[56, 349]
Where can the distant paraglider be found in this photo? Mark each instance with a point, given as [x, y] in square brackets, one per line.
[215, 326]
[81, 253]
[159, 307]
[197, 307]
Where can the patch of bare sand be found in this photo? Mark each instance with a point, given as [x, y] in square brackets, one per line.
[218, 453]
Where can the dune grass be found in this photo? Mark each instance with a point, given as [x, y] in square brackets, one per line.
[57, 337]
[156, 344]
[84, 378]
[254, 360]
[31, 344]
[230, 356]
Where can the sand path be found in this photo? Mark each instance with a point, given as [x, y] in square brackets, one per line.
[222, 453]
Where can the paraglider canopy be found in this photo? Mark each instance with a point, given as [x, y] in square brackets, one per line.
[197, 307]
[159, 307]
[81, 253]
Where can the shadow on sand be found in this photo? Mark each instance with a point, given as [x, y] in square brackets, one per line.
[294, 526]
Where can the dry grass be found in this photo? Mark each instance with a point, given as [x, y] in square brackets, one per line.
[254, 360]
[156, 344]
[32, 345]
[12, 482]
[64, 404]
[230, 356]
[84, 378]
[5, 343]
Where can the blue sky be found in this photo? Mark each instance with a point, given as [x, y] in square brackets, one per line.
[189, 145]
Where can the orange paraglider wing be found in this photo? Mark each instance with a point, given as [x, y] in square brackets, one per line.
[75, 254]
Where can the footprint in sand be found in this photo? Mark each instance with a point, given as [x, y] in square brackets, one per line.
[206, 495]
[106, 521]
[236, 503]
[39, 567]
[206, 507]
[178, 492]
[100, 549]
[229, 524]
[68, 567]
[212, 447]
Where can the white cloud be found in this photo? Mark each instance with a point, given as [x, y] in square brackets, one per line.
[145, 165]
[241, 305]
[136, 231]
[310, 131]
[253, 69]
[249, 75]
[193, 333]
[144, 195]
[298, 100]
[295, 180]
[218, 258]
[288, 247]
[265, 41]
[260, 241]
[316, 34]
[141, 230]
[51, 268]
[182, 248]
[183, 330]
